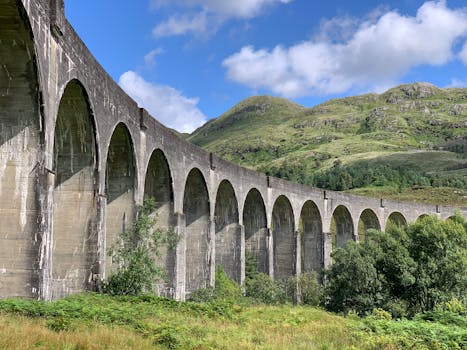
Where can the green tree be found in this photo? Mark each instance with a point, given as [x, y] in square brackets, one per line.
[408, 269]
[440, 251]
[353, 282]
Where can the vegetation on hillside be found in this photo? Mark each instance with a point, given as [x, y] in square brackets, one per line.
[416, 126]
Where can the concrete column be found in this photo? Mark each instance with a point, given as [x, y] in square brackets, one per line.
[242, 255]
[180, 257]
[298, 253]
[46, 190]
[381, 216]
[327, 249]
[270, 247]
[355, 230]
[212, 253]
[101, 237]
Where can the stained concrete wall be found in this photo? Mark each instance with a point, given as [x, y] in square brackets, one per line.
[42, 55]
[158, 186]
[256, 230]
[74, 247]
[197, 231]
[311, 236]
[20, 151]
[228, 232]
[283, 236]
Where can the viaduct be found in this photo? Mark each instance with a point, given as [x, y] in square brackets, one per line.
[77, 155]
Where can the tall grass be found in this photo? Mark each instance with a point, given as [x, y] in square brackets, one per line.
[104, 322]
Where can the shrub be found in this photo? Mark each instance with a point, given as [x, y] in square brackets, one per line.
[135, 253]
[261, 288]
[225, 290]
[309, 290]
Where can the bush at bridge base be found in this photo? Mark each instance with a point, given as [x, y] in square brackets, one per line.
[135, 254]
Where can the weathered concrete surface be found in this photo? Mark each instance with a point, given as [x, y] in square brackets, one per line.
[74, 247]
[77, 155]
[227, 247]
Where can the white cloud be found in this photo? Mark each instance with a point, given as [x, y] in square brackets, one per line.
[150, 57]
[457, 83]
[180, 24]
[207, 15]
[165, 103]
[463, 54]
[379, 51]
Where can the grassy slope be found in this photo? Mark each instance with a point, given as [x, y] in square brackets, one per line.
[406, 125]
[98, 322]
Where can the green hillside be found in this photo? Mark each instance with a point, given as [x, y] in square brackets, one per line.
[408, 143]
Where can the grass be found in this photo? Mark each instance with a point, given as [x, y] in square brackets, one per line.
[102, 322]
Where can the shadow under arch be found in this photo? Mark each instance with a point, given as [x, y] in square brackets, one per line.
[421, 217]
[367, 220]
[74, 254]
[283, 235]
[396, 218]
[311, 237]
[120, 180]
[256, 230]
[21, 142]
[196, 210]
[158, 185]
[342, 229]
[227, 231]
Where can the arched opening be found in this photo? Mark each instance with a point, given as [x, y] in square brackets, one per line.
[311, 234]
[158, 185]
[368, 220]
[341, 227]
[74, 253]
[421, 217]
[119, 186]
[196, 210]
[396, 218]
[227, 231]
[255, 224]
[20, 145]
[283, 236]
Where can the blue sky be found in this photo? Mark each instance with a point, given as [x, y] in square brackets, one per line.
[188, 61]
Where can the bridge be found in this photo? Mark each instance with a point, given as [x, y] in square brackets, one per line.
[77, 155]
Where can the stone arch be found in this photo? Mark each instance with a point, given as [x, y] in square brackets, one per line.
[421, 216]
[74, 252]
[311, 237]
[451, 218]
[368, 220]
[227, 231]
[158, 185]
[396, 218]
[283, 235]
[342, 228]
[196, 210]
[120, 180]
[256, 230]
[21, 140]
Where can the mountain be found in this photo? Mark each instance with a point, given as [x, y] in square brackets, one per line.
[409, 142]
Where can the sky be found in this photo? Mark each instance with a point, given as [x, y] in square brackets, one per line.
[187, 61]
